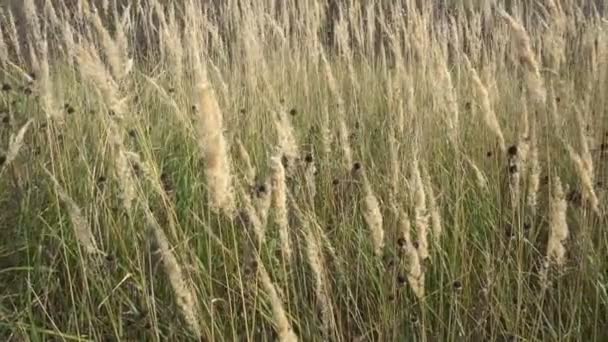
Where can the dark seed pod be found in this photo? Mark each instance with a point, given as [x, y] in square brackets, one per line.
[457, 285]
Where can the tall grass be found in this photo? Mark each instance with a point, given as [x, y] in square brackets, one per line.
[321, 170]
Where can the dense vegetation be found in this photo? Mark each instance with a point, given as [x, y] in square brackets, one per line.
[261, 170]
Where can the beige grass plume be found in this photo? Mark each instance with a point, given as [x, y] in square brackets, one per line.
[489, 115]
[185, 295]
[122, 165]
[94, 71]
[254, 220]
[420, 210]
[584, 144]
[436, 222]
[287, 142]
[283, 326]
[215, 151]
[117, 59]
[250, 170]
[82, 230]
[586, 179]
[534, 170]
[518, 159]
[534, 80]
[415, 274]
[371, 213]
[310, 177]
[279, 199]
[316, 260]
[343, 133]
[451, 102]
[263, 201]
[558, 224]
[15, 145]
[3, 47]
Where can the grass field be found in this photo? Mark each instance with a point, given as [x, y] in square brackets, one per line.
[269, 170]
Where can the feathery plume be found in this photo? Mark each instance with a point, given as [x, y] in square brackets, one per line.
[15, 144]
[414, 268]
[559, 227]
[283, 326]
[488, 112]
[420, 210]
[263, 201]
[279, 199]
[586, 179]
[535, 170]
[250, 171]
[82, 230]
[215, 152]
[287, 144]
[254, 220]
[534, 80]
[433, 207]
[372, 213]
[317, 264]
[185, 296]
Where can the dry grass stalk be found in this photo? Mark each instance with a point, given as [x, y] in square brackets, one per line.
[586, 157]
[372, 213]
[451, 102]
[93, 70]
[395, 170]
[14, 35]
[518, 160]
[51, 14]
[3, 48]
[15, 145]
[326, 136]
[535, 170]
[344, 137]
[310, 179]
[254, 221]
[185, 295]
[415, 274]
[480, 178]
[586, 179]
[283, 326]
[279, 199]
[263, 201]
[117, 59]
[171, 40]
[559, 226]
[46, 86]
[488, 112]
[287, 142]
[68, 41]
[123, 168]
[436, 222]
[82, 230]
[343, 133]
[534, 80]
[250, 171]
[554, 42]
[420, 210]
[215, 151]
[33, 25]
[318, 266]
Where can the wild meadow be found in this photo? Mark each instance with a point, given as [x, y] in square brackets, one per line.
[264, 170]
